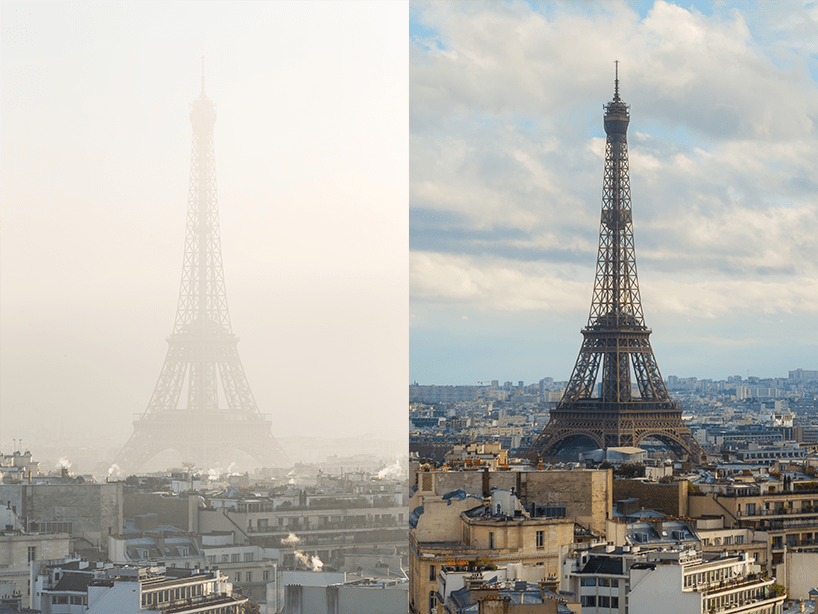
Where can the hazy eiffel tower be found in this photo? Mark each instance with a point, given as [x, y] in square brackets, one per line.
[202, 366]
[616, 338]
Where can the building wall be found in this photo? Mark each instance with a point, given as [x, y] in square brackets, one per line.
[586, 494]
[514, 540]
[171, 510]
[440, 520]
[345, 600]
[14, 557]
[663, 586]
[669, 499]
[798, 573]
[94, 509]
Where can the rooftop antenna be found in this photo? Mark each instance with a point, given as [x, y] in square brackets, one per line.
[616, 81]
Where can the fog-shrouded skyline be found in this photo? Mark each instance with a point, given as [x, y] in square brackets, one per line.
[311, 148]
[506, 164]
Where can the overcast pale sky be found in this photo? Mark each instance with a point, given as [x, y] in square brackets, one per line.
[500, 124]
[311, 144]
[506, 163]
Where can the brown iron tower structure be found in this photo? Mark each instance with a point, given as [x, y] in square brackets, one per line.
[616, 346]
[202, 406]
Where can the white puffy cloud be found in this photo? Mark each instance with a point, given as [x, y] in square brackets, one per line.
[507, 155]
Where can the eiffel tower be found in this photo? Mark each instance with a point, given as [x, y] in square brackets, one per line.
[616, 339]
[202, 367]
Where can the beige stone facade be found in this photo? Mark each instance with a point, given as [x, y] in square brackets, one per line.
[789, 519]
[586, 494]
[19, 550]
[469, 530]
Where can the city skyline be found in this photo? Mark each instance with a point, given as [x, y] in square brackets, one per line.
[311, 157]
[506, 174]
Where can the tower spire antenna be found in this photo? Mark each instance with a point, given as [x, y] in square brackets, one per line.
[203, 90]
[616, 81]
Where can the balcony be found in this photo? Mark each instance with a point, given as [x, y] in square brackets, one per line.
[783, 525]
[719, 586]
[778, 511]
[211, 602]
[329, 527]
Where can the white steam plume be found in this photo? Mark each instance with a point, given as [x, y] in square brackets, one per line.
[391, 472]
[313, 562]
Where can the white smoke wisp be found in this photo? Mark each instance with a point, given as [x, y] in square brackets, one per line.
[391, 472]
[114, 471]
[215, 473]
[63, 463]
[313, 562]
[232, 469]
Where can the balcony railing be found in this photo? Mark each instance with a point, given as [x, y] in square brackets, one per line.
[329, 526]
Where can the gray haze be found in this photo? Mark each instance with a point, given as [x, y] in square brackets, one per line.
[311, 160]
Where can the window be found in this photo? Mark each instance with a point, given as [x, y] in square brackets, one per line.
[491, 541]
[604, 581]
[248, 556]
[540, 538]
[589, 601]
[432, 601]
[265, 575]
[238, 576]
[604, 601]
[615, 602]
[234, 558]
[248, 577]
[739, 539]
[587, 581]
[432, 573]
[225, 558]
[32, 553]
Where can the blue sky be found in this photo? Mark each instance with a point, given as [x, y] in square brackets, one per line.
[506, 160]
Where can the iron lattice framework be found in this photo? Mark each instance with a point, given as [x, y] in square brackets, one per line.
[202, 364]
[616, 340]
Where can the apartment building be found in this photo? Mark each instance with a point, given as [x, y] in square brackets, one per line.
[789, 518]
[458, 528]
[316, 526]
[677, 579]
[78, 587]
